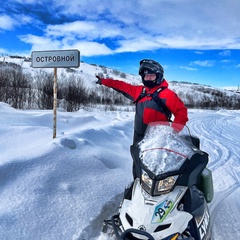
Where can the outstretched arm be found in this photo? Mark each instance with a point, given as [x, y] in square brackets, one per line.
[128, 90]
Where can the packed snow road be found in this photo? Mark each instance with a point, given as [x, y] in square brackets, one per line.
[63, 188]
[220, 135]
[219, 132]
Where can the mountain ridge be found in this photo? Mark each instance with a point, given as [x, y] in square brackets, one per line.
[194, 95]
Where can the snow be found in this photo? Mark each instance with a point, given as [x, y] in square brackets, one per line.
[63, 188]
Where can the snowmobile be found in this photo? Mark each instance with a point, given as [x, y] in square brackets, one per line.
[169, 198]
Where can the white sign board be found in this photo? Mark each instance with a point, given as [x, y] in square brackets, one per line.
[56, 59]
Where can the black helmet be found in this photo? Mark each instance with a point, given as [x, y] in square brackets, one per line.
[148, 66]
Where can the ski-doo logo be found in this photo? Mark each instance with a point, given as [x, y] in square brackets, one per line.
[142, 228]
[161, 211]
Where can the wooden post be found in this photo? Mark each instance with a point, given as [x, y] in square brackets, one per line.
[55, 59]
[55, 104]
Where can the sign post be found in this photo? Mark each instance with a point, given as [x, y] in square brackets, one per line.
[55, 59]
[55, 104]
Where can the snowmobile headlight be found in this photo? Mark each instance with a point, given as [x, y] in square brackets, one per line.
[147, 182]
[165, 185]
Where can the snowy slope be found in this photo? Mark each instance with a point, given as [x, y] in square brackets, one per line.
[63, 188]
[87, 73]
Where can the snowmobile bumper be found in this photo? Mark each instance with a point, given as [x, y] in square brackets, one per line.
[128, 234]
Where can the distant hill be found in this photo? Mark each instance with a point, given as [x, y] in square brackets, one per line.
[193, 95]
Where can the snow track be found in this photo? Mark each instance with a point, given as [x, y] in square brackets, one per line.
[219, 136]
[63, 188]
[93, 229]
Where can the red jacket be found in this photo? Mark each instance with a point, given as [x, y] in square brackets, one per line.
[146, 109]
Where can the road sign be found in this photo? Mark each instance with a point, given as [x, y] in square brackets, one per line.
[56, 59]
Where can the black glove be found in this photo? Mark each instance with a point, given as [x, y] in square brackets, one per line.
[99, 81]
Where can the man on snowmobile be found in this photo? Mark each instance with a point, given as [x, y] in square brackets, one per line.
[154, 101]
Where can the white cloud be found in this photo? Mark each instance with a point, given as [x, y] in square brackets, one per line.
[22, 19]
[199, 52]
[84, 29]
[86, 48]
[134, 45]
[91, 48]
[188, 68]
[227, 61]
[205, 63]
[40, 43]
[6, 22]
[138, 25]
[225, 53]
[185, 23]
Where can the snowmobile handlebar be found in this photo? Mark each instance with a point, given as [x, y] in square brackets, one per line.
[129, 231]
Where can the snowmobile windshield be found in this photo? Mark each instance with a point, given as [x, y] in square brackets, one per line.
[163, 149]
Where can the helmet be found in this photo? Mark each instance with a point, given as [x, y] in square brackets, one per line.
[148, 66]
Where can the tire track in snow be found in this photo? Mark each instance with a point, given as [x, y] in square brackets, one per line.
[219, 136]
[216, 137]
[224, 217]
[93, 230]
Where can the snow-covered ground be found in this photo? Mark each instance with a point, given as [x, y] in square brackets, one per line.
[63, 188]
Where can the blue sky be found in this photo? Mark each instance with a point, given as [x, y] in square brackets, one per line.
[195, 40]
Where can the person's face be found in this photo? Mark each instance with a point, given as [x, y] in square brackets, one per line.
[150, 77]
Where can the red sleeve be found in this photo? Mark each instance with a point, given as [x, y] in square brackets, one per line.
[128, 90]
[176, 106]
